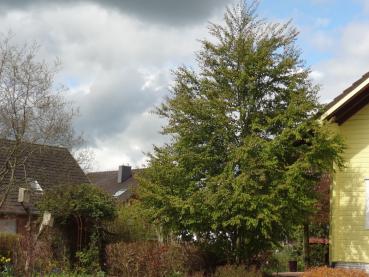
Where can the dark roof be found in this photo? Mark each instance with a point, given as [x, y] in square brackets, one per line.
[108, 181]
[50, 166]
[352, 105]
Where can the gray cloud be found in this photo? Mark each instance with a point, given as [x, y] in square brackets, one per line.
[173, 12]
[116, 66]
[113, 102]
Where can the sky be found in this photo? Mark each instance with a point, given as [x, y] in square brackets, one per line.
[118, 56]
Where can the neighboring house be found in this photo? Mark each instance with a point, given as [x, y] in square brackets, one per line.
[119, 183]
[46, 167]
[349, 222]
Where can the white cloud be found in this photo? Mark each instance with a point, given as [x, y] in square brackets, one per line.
[349, 61]
[118, 68]
[317, 75]
[127, 147]
[321, 41]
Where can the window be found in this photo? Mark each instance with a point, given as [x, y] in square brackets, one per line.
[8, 225]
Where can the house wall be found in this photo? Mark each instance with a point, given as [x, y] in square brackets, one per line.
[349, 234]
[13, 224]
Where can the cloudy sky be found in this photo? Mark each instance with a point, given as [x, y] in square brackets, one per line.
[117, 56]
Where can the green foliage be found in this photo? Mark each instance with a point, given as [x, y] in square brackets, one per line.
[88, 259]
[247, 149]
[5, 266]
[8, 243]
[8, 252]
[132, 223]
[279, 258]
[83, 200]
[294, 250]
[81, 210]
[318, 252]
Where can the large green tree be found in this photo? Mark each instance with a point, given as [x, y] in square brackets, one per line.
[247, 149]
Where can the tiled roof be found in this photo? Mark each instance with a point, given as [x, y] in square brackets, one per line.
[50, 166]
[108, 181]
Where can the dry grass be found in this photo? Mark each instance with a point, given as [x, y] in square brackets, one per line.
[334, 272]
[236, 271]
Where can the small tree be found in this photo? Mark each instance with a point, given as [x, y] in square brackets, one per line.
[80, 211]
[247, 149]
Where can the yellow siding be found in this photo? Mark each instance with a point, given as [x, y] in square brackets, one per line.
[349, 237]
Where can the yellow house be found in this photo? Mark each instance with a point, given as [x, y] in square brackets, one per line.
[349, 228]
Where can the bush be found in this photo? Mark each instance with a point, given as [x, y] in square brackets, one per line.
[152, 259]
[236, 271]
[8, 252]
[132, 223]
[334, 272]
[41, 257]
[8, 244]
[81, 213]
[43, 260]
[88, 260]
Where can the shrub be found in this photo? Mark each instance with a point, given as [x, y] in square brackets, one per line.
[47, 255]
[334, 272]
[132, 223]
[80, 210]
[152, 259]
[236, 271]
[8, 244]
[88, 260]
[41, 257]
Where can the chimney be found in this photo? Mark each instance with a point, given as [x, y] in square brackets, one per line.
[124, 173]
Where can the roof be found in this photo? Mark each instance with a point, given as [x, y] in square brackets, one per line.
[108, 181]
[50, 166]
[349, 101]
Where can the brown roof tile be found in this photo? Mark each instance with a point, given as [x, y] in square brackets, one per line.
[50, 165]
[108, 181]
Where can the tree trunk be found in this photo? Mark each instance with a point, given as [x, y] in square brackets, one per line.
[30, 246]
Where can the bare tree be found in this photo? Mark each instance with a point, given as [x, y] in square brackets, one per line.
[32, 107]
[85, 157]
[33, 112]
